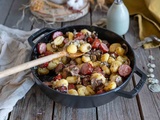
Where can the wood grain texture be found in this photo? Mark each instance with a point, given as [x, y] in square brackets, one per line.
[67, 113]
[16, 13]
[120, 109]
[98, 15]
[38, 23]
[5, 9]
[149, 103]
[34, 106]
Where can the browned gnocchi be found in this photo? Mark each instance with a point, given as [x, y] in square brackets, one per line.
[100, 69]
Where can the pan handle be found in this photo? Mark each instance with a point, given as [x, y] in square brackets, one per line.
[137, 88]
[37, 34]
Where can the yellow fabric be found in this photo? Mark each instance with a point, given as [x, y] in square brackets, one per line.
[148, 14]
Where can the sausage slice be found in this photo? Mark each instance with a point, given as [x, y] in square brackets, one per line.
[124, 70]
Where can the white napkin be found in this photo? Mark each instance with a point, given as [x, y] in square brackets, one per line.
[14, 50]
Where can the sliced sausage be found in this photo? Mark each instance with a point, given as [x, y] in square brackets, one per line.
[100, 91]
[96, 43]
[59, 68]
[106, 42]
[48, 53]
[124, 70]
[58, 77]
[56, 34]
[71, 86]
[44, 65]
[66, 40]
[90, 39]
[97, 70]
[65, 73]
[79, 36]
[86, 69]
[103, 47]
[42, 47]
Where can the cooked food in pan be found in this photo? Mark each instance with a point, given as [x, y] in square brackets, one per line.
[103, 66]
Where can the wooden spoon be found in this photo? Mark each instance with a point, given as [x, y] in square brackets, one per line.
[36, 62]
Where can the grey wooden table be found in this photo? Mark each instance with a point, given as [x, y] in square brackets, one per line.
[37, 106]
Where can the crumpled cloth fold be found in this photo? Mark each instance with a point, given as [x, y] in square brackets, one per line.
[147, 12]
[14, 50]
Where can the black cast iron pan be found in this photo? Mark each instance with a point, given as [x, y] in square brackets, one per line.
[86, 101]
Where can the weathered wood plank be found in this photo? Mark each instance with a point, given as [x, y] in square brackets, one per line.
[34, 106]
[38, 23]
[149, 102]
[4, 9]
[15, 14]
[67, 113]
[98, 15]
[120, 108]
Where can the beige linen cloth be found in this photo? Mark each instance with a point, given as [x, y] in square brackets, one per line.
[14, 50]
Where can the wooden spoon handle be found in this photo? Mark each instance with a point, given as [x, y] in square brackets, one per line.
[31, 64]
